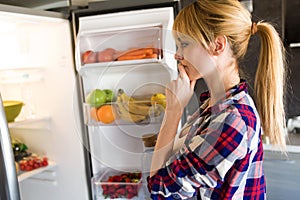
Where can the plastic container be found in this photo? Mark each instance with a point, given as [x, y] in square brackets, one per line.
[108, 47]
[104, 188]
[140, 112]
[149, 141]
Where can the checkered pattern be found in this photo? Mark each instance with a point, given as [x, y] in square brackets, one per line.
[222, 155]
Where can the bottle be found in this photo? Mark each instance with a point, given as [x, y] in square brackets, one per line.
[149, 141]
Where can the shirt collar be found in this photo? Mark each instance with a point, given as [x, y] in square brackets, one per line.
[233, 94]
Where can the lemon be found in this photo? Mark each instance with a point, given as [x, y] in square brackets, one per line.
[158, 98]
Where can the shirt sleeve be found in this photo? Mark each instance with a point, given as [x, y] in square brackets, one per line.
[204, 161]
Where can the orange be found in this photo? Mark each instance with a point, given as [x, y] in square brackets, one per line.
[93, 113]
[106, 114]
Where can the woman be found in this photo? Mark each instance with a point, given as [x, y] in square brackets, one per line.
[222, 155]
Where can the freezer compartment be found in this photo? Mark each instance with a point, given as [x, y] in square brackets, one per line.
[114, 184]
[122, 112]
[120, 46]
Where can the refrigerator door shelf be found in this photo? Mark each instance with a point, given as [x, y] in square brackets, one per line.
[149, 66]
[48, 172]
[125, 30]
[137, 112]
[130, 44]
[119, 63]
[135, 80]
[104, 189]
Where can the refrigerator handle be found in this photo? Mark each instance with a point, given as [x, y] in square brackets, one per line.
[9, 186]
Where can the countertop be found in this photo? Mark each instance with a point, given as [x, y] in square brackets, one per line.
[293, 144]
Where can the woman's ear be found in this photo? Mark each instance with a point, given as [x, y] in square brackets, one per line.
[219, 45]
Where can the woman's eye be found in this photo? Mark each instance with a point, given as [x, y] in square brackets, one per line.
[183, 44]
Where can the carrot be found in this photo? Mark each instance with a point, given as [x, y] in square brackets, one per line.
[135, 52]
[126, 57]
[152, 56]
[139, 52]
[122, 53]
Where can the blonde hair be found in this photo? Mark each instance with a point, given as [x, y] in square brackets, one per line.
[204, 20]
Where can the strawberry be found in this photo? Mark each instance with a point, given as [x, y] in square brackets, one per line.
[120, 191]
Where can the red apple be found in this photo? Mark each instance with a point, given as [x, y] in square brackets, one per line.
[89, 57]
[107, 55]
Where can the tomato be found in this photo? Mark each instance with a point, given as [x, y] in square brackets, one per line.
[44, 163]
[22, 167]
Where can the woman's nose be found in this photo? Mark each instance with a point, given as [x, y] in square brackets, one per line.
[178, 57]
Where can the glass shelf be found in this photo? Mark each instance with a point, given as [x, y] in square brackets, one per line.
[25, 175]
[21, 75]
[37, 123]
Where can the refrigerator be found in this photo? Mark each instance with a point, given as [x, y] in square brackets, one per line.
[42, 65]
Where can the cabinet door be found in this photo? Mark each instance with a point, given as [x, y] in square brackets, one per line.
[293, 84]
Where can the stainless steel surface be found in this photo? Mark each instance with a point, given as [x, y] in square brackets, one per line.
[9, 187]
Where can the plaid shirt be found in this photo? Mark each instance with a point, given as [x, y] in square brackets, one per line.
[222, 155]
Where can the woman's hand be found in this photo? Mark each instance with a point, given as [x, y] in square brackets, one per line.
[178, 94]
[179, 91]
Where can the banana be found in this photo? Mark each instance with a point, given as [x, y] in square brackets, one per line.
[134, 106]
[126, 115]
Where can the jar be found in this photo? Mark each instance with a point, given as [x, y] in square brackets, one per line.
[149, 141]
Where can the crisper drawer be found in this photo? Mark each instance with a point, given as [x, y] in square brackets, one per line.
[120, 46]
[114, 184]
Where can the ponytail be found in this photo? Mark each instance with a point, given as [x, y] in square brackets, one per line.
[269, 84]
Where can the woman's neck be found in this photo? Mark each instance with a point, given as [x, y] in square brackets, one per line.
[220, 82]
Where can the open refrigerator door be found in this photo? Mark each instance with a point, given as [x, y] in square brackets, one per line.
[129, 54]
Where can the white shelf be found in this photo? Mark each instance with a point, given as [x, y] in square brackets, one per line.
[39, 123]
[118, 65]
[25, 175]
[122, 63]
[21, 75]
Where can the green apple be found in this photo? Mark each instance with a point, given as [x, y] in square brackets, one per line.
[96, 98]
[109, 95]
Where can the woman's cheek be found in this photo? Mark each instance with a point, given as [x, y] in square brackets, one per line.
[193, 73]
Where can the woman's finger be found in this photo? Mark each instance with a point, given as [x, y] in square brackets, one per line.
[182, 72]
[193, 83]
